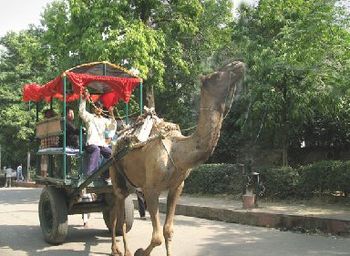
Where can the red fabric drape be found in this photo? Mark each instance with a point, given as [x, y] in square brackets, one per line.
[121, 87]
[110, 99]
[35, 92]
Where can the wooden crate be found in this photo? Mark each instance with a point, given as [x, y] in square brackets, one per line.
[49, 127]
[50, 142]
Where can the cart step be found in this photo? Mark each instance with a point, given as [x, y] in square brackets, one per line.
[87, 207]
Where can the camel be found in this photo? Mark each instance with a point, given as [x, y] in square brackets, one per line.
[163, 163]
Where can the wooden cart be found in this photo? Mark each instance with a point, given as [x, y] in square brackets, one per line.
[61, 169]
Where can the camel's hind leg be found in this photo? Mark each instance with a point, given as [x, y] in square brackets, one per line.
[168, 229]
[152, 199]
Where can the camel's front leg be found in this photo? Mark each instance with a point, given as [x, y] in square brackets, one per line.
[121, 217]
[118, 212]
[114, 218]
[168, 229]
[152, 199]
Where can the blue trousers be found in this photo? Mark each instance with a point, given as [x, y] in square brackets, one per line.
[94, 157]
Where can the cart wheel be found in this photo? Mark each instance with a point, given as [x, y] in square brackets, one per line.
[129, 217]
[53, 215]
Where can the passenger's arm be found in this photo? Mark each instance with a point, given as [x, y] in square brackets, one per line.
[111, 113]
[112, 123]
[84, 115]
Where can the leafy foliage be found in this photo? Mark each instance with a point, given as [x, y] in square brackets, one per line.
[325, 176]
[24, 60]
[169, 43]
[297, 54]
[319, 179]
[215, 179]
[280, 182]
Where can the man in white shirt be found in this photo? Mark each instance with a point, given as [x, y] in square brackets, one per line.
[96, 126]
[19, 174]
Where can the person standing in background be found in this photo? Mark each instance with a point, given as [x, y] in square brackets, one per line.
[142, 204]
[8, 174]
[72, 131]
[19, 175]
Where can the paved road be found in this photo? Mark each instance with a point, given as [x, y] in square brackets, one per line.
[20, 234]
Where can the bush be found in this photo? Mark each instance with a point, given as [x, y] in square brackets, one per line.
[280, 182]
[215, 179]
[321, 178]
[325, 177]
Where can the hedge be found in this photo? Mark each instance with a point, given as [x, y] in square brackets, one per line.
[215, 179]
[326, 177]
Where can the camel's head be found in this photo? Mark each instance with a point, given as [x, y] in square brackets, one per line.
[221, 87]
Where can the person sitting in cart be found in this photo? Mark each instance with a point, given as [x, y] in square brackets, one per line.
[96, 126]
[49, 113]
[72, 131]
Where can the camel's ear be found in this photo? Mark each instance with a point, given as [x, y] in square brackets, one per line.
[202, 78]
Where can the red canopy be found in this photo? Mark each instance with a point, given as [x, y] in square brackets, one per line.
[112, 88]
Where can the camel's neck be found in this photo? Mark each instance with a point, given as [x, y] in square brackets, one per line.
[203, 141]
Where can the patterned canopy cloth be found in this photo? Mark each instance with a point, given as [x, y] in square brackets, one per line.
[110, 88]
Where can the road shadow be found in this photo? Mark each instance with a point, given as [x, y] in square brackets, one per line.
[33, 243]
[241, 240]
[19, 195]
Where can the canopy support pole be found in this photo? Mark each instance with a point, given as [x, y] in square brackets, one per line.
[127, 113]
[80, 143]
[64, 127]
[141, 99]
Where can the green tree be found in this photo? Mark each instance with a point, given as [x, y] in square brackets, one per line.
[169, 42]
[23, 60]
[297, 54]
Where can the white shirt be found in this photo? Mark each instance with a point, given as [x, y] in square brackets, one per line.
[96, 126]
[8, 172]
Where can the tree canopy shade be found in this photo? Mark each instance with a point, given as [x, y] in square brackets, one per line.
[297, 53]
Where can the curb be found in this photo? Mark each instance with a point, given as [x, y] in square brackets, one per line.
[309, 224]
[27, 184]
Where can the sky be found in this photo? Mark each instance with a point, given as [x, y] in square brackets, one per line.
[16, 15]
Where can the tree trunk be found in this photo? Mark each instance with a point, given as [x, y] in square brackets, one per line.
[145, 12]
[149, 99]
